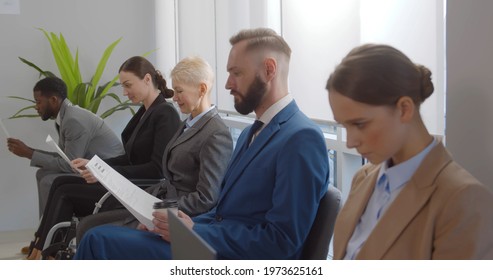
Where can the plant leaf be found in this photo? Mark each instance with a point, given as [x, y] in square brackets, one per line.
[21, 98]
[99, 70]
[29, 63]
[86, 95]
[149, 52]
[63, 59]
[79, 94]
[97, 101]
[102, 90]
[17, 114]
[23, 116]
[49, 74]
[119, 107]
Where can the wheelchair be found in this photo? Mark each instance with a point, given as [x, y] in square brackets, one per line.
[61, 243]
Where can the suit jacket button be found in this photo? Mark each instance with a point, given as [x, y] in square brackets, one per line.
[219, 218]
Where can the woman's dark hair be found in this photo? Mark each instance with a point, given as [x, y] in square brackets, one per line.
[51, 86]
[140, 66]
[380, 75]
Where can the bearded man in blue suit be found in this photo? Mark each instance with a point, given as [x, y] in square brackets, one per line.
[277, 175]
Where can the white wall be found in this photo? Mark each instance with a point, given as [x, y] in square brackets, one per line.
[320, 33]
[416, 27]
[469, 86]
[90, 25]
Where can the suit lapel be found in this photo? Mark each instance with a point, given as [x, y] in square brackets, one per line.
[168, 149]
[61, 137]
[182, 137]
[359, 196]
[146, 115]
[413, 197]
[242, 155]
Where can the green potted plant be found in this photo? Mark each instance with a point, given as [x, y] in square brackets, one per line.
[87, 95]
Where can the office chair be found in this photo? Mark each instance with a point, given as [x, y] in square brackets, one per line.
[316, 246]
[64, 232]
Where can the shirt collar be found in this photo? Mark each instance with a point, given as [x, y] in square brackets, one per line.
[400, 174]
[58, 119]
[275, 108]
[190, 122]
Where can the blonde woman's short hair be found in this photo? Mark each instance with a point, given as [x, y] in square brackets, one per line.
[193, 70]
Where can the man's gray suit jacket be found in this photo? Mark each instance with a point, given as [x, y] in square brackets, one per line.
[82, 134]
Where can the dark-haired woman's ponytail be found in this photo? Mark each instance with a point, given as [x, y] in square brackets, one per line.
[161, 85]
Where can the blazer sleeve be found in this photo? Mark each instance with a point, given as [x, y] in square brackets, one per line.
[164, 122]
[76, 140]
[465, 226]
[301, 180]
[118, 160]
[214, 157]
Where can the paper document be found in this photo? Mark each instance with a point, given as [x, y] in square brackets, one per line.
[136, 200]
[54, 145]
[4, 129]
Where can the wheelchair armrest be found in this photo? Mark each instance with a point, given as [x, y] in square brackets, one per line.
[145, 182]
[142, 183]
[100, 202]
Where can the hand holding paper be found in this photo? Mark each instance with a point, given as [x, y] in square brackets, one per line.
[19, 148]
[4, 129]
[51, 142]
[136, 200]
[80, 164]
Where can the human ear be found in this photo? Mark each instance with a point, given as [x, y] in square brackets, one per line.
[406, 107]
[202, 89]
[53, 100]
[270, 65]
[147, 78]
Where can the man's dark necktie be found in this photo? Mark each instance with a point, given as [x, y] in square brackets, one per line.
[255, 127]
[57, 126]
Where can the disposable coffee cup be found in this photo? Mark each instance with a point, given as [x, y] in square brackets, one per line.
[165, 204]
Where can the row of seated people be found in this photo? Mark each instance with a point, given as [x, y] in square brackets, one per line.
[194, 160]
[411, 202]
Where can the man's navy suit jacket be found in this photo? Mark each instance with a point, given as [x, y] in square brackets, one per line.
[271, 191]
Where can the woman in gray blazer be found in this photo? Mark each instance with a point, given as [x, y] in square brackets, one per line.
[195, 159]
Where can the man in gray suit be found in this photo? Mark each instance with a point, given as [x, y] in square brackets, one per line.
[82, 134]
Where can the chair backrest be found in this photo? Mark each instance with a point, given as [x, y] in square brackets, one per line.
[316, 246]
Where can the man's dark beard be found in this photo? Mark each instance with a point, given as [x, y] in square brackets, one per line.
[48, 114]
[252, 98]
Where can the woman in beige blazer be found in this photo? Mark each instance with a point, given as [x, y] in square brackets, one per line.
[412, 201]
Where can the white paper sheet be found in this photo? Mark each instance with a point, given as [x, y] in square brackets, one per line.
[4, 129]
[54, 145]
[136, 200]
